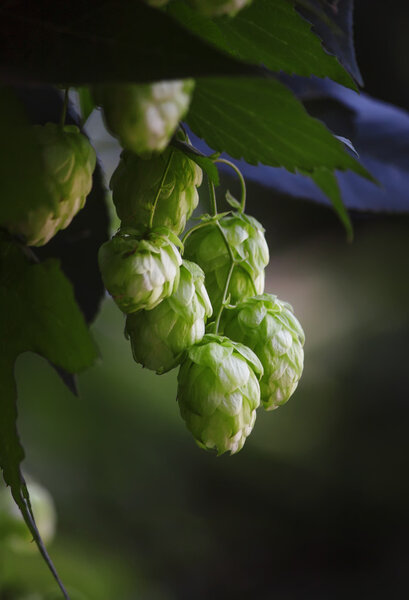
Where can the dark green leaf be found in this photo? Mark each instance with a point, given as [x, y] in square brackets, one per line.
[115, 42]
[261, 121]
[200, 159]
[327, 182]
[333, 23]
[268, 32]
[38, 313]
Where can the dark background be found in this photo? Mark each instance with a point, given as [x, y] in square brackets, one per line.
[315, 505]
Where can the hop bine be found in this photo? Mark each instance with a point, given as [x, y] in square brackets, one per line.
[218, 393]
[268, 326]
[160, 336]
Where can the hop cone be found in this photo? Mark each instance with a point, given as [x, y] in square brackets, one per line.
[13, 530]
[159, 336]
[139, 271]
[207, 248]
[68, 163]
[170, 179]
[269, 327]
[214, 8]
[144, 116]
[218, 393]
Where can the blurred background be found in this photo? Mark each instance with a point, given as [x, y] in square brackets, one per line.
[315, 505]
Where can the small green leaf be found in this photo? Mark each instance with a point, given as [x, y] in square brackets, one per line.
[200, 159]
[233, 202]
[38, 313]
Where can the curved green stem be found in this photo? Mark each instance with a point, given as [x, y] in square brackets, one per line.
[228, 278]
[241, 178]
[162, 181]
[213, 204]
[195, 228]
[226, 288]
[64, 108]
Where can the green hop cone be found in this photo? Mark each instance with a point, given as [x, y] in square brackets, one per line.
[144, 116]
[207, 248]
[169, 179]
[218, 393]
[68, 163]
[140, 270]
[268, 326]
[14, 532]
[159, 336]
[215, 8]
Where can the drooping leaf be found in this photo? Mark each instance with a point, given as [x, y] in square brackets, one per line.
[378, 131]
[38, 313]
[268, 32]
[327, 182]
[44, 42]
[260, 120]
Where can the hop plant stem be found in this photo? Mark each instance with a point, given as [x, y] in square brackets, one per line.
[241, 178]
[229, 274]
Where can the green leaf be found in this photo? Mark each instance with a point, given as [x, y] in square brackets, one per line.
[268, 32]
[38, 313]
[200, 159]
[327, 182]
[261, 121]
[233, 202]
[19, 153]
[117, 42]
[87, 103]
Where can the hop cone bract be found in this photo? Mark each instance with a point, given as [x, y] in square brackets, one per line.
[268, 326]
[159, 336]
[207, 248]
[169, 179]
[144, 116]
[214, 8]
[14, 531]
[139, 271]
[68, 163]
[218, 393]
